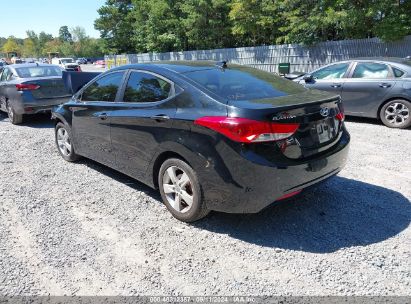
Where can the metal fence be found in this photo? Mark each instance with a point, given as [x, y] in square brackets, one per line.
[301, 58]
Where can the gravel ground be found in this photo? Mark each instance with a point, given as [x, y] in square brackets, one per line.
[84, 229]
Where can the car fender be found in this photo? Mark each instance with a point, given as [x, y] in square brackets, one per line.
[195, 160]
[59, 113]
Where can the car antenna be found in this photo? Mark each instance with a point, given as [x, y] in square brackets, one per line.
[222, 64]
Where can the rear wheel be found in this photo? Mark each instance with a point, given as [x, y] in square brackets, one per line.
[14, 118]
[396, 114]
[64, 143]
[181, 191]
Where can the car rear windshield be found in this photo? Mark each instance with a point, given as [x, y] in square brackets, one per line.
[30, 72]
[244, 83]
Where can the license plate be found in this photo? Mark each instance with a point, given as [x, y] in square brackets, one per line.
[324, 131]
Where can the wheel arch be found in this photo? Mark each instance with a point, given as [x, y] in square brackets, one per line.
[160, 159]
[56, 117]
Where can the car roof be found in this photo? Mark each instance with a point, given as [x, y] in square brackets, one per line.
[174, 66]
[28, 65]
[387, 59]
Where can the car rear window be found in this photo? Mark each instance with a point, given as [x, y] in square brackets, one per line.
[37, 71]
[244, 83]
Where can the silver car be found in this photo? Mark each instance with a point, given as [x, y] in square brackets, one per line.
[30, 89]
[375, 88]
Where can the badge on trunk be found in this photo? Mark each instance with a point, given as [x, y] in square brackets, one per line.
[324, 112]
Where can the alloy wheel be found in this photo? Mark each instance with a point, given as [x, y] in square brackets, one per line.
[63, 141]
[397, 113]
[178, 189]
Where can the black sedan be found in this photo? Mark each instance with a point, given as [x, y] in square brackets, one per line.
[211, 137]
[375, 88]
[30, 89]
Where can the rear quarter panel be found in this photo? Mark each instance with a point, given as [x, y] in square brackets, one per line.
[401, 90]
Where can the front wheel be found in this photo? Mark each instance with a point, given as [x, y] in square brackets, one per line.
[396, 114]
[181, 191]
[14, 118]
[64, 142]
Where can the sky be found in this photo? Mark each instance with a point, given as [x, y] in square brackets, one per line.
[48, 16]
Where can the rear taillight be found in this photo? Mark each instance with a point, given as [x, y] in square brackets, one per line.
[340, 116]
[247, 130]
[78, 69]
[27, 87]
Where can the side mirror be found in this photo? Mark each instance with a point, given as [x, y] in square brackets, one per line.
[308, 78]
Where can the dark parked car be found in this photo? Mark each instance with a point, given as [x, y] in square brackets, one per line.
[375, 88]
[210, 137]
[30, 89]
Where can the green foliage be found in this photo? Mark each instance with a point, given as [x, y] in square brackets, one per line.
[39, 45]
[64, 34]
[116, 25]
[11, 46]
[175, 25]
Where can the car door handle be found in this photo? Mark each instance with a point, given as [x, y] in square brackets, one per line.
[160, 117]
[336, 85]
[384, 85]
[103, 116]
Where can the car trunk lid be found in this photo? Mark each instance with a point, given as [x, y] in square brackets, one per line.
[48, 87]
[319, 116]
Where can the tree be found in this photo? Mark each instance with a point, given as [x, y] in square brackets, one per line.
[255, 22]
[52, 46]
[156, 26]
[29, 48]
[115, 25]
[64, 34]
[207, 24]
[78, 34]
[11, 45]
[43, 40]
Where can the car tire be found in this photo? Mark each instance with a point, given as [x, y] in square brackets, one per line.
[396, 114]
[64, 144]
[181, 191]
[14, 118]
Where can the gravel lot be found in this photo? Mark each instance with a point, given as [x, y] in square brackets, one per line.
[84, 229]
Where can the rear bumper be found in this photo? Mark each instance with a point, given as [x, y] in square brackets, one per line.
[249, 187]
[38, 106]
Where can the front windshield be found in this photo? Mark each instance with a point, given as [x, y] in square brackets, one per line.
[41, 71]
[69, 60]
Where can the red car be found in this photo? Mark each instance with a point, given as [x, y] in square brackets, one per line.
[100, 62]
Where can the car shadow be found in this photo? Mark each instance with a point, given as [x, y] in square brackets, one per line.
[372, 121]
[38, 121]
[337, 214]
[366, 120]
[3, 116]
[120, 177]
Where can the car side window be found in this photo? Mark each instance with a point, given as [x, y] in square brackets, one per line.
[371, 70]
[145, 87]
[104, 88]
[397, 72]
[334, 71]
[5, 75]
